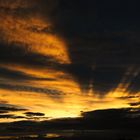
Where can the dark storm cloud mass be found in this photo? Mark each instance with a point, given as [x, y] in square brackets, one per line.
[103, 35]
[100, 34]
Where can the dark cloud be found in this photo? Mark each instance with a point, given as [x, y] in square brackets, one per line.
[30, 89]
[32, 114]
[128, 97]
[98, 34]
[134, 84]
[103, 79]
[6, 112]
[114, 118]
[10, 108]
[107, 113]
[87, 17]
[10, 116]
[18, 75]
[18, 54]
[6, 109]
[109, 56]
[6, 116]
[3, 111]
[134, 104]
[106, 79]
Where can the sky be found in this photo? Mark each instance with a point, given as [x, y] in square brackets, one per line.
[65, 59]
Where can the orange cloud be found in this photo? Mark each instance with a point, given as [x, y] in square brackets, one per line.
[32, 31]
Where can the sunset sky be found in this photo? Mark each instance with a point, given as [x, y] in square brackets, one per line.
[60, 58]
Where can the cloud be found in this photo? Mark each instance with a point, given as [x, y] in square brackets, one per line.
[32, 114]
[107, 113]
[11, 53]
[96, 39]
[102, 79]
[18, 75]
[10, 116]
[129, 97]
[135, 104]
[134, 83]
[113, 118]
[30, 89]
[7, 110]
[110, 55]
[6, 116]
[23, 23]
[10, 108]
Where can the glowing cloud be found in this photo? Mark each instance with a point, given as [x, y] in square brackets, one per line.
[31, 31]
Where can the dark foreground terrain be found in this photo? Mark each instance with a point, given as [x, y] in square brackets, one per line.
[78, 135]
